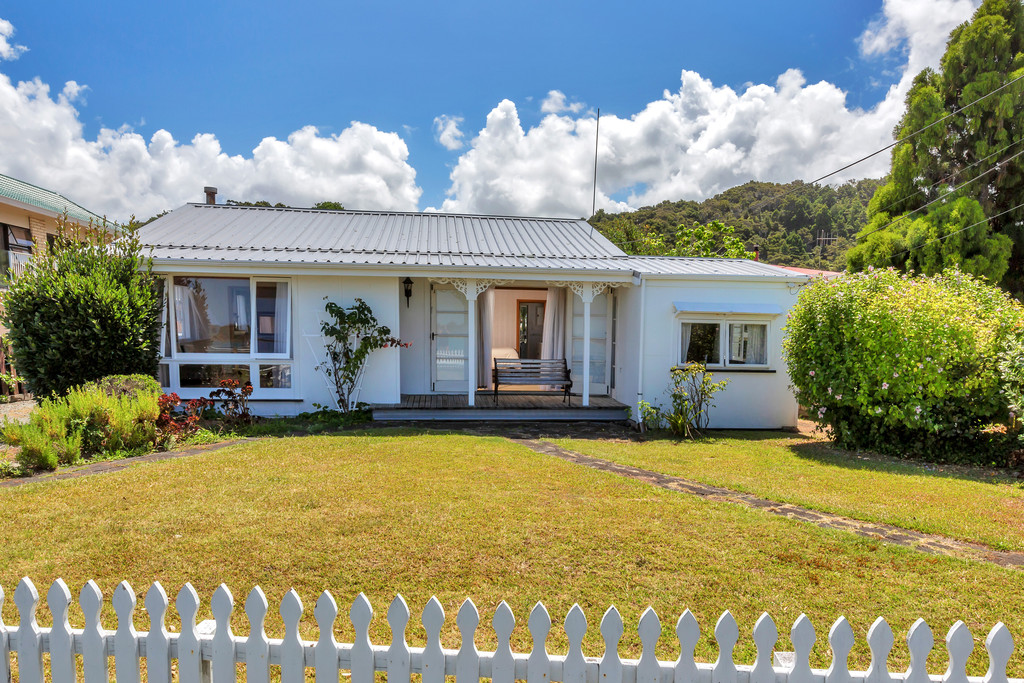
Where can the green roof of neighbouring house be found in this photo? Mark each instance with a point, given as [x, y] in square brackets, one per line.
[46, 200]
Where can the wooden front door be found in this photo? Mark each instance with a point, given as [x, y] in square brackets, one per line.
[531, 328]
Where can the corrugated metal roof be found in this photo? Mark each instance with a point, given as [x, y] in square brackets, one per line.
[45, 199]
[218, 233]
[258, 229]
[684, 265]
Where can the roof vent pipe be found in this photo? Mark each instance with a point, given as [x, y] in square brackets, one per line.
[211, 195]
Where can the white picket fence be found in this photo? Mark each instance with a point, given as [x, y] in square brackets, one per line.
[210, 653]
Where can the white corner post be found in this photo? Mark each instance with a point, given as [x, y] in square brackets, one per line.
[587, 294]
[471, 293]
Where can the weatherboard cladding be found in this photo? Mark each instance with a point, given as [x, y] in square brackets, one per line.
[217, 233]
[47, 200]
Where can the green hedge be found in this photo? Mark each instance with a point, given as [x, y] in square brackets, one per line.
[84, 309]
[906, 365]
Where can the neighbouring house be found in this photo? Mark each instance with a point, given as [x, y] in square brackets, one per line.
[28, 224]
[246, 289]
[814, 272]
[28, 221]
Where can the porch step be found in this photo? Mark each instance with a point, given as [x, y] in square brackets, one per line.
[502, 414]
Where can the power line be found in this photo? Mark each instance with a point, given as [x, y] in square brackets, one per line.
[949, 177]
[940, 198]
[758, 207]
[956, 232]
[903, 217]
[890, 146]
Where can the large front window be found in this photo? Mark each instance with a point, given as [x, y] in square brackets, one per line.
[211, 315]
[227, 328]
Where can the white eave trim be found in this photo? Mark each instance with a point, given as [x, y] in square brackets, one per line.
[727, 308]
[174, 266]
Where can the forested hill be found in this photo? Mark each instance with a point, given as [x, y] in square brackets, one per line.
[786, 228]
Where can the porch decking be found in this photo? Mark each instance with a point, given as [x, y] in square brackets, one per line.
[534, 405]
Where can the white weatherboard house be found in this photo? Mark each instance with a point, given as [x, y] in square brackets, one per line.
[246, 289]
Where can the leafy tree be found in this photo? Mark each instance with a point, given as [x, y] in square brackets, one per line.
[86, 308]
[261, 203]
[329, 206]
[959, 151]
[714, 239]
[638, 240]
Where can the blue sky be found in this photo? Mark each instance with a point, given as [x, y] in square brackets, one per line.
[243, 72]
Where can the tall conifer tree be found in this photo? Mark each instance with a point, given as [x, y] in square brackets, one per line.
[962, 152]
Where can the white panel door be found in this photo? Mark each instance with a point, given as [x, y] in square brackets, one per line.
[449, 340]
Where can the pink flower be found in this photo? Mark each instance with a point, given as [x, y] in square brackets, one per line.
[811, 373]
[885, 385]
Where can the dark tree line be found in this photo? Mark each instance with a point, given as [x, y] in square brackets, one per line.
[793, 224]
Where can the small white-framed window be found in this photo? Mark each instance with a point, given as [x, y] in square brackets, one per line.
[701, 343]
[724, 343]
[748, 344]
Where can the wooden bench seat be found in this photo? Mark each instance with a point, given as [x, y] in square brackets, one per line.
[547, 372]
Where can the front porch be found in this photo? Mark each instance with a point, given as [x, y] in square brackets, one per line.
[517, 406]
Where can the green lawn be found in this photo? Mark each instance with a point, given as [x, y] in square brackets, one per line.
[460, 516]
[968, 504]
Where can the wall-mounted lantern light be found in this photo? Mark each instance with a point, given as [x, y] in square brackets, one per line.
[407, 283]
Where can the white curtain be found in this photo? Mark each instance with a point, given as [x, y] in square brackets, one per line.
[281, 318]
[553, 340]
[757, 346]
[191, 324]
[484, 338]
[241, 311]
[686, 342]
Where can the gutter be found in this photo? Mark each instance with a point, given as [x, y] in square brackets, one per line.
[640, 359]
[162, 265]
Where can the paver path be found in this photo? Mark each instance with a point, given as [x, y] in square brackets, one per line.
[114, 465]
[916, 540]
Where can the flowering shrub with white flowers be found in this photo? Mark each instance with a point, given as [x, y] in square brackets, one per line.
[908, 365]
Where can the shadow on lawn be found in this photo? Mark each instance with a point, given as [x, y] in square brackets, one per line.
[823, 452]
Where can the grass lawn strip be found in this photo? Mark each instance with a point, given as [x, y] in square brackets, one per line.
[968, 504]
[890, 534]
[459, 516]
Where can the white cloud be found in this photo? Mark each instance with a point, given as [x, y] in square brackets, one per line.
[555, 103]
[446, 130]
[701, 139]
[121, 173]
[9, 50]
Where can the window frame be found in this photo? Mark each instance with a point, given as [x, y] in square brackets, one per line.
[173, 359]
[28, 248]
[724, 344]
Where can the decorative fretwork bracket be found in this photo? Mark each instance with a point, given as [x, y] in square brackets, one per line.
[587, 291]
[471, 288]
